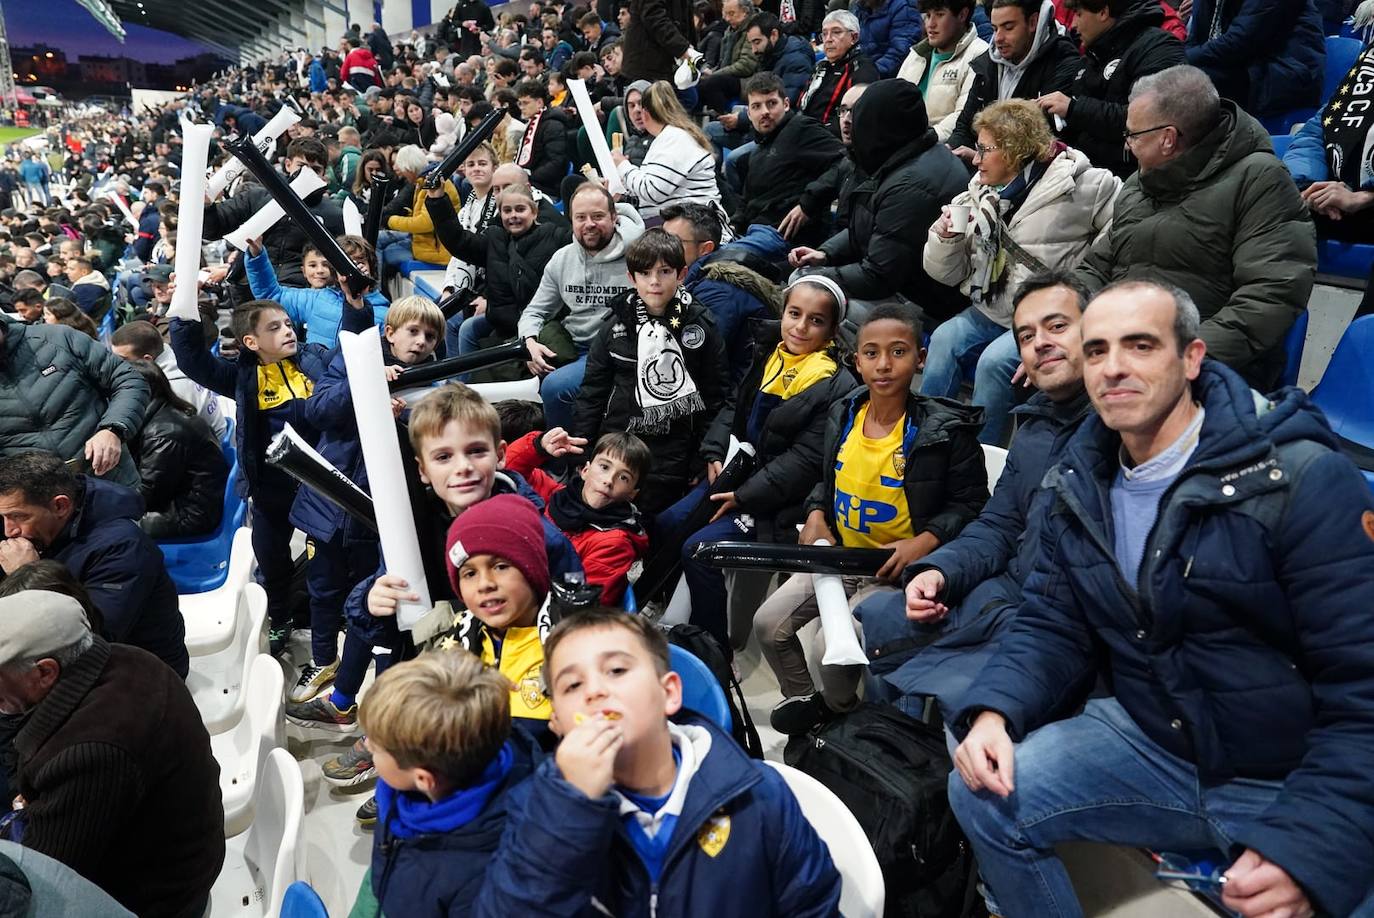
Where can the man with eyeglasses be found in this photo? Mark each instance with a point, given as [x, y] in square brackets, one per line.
[1214, 212]
[844, 65]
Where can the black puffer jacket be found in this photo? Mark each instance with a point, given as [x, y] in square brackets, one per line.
[607, 400]
[553, 143]
[830, 81]
[183, 471]
[514, 266]
[58, 388]
[788, 451]
[945, 478]
[285, 240]
[796, 152]
[659, 33]
[1135, 47]
[911, 175]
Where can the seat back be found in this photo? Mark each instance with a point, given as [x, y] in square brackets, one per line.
[200, 564]
[302, 901]
[995, 459]
[862, 892]
[273, 846]
[700, 690]
[1341, 54]
[1346, 391]
[263, 706]
[1293, 344]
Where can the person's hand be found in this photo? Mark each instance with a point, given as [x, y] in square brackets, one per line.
[398, 407]
[102, 451]
[1337, 196]
[216, 274]
[729, 120]
[922, 597]
[255, 247]
[392, 372]
[354, 300]
[558, 442]
[713, 470]
[816, 529]
[964, 153]
[984, 758]
[1255, 887]
[387, 594]
[1054, 103]
[944, 227]
[1184, 10]
[789, 225]
[15, 553]
[727, 502]
[905, 551]
[586, 755]
[541, 357]
[1020, 376]
[617, 157]
[805, 257]
[479, 306]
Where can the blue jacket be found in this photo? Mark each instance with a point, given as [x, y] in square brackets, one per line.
[123, 571]
[239, 380]
[1272, 50]
[247, 121]
[563, 850]
[1245, 646]
[732, 304]
[432, 521]
[886, 34]
[320, 311]
[1306, 156]
[984, 567]
[438, 873]
[147, 233]
[319, 81]
[792, 60]
[34, 172]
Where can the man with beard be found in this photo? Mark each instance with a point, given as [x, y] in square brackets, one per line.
[581, 277]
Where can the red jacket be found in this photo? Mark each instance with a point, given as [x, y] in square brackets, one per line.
[606, 553]
[361, 59]
[1172, 23]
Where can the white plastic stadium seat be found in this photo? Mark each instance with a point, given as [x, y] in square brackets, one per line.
[862, 893]
[995, 458]
[212, 617]
[242, 751]
[270, 856]
[217, 680]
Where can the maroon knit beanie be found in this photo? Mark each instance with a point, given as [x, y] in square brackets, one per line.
[508, 527]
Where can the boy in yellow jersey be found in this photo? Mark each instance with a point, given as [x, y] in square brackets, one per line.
[900, 471]
[499, 567]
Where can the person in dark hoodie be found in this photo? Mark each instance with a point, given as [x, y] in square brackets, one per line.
[1209, 554]
[439, 727]
[1028, 59]
[91, 526]
[908, 175]
[1267, 55]
[1123, 42]
[546, 146]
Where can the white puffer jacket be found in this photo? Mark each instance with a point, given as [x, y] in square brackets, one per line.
[1069, 208]
[949, 85]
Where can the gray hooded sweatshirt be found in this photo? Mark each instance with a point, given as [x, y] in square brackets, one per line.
[583, 282]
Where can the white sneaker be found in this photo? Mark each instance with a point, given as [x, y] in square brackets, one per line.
[313, 680]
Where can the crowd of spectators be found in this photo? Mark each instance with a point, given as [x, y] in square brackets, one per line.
[836, 254]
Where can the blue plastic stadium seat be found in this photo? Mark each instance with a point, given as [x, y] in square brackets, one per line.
[1281, 144]
[1344, 259]
[1292, 349]
[425, 288]
[1340, 57]
[408, 268]
[107, 325]
[700, 690]
[1346, 393]
[200, 565]
[301, 901]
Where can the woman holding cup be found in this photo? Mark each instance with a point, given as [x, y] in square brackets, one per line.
[1033, 204]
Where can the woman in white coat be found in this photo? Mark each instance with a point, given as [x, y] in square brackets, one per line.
[1034, 204]
[680, 165]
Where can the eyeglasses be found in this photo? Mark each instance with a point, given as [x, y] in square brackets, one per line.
[1128, 136]
[980, 150]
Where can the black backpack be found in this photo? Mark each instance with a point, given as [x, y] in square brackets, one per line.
[891, 771]
[698, 642]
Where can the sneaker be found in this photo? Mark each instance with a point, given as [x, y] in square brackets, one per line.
[800, 713]
[367, 814]
[277, 639]
[319, 712]
[314, 680]
[352, 768]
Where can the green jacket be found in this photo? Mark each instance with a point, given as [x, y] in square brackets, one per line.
[1224, 222]
[737, 58]
[342, 172]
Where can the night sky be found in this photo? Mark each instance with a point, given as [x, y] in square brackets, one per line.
[67, 25]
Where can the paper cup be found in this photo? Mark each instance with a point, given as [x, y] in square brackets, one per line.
[958, 217]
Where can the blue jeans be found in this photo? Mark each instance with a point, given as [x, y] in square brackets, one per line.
[705, 584]
[733, 160]
[1096, 777]
[954, 346]
[725, 140]
[559, 391]
[463, 336]
[394, 247]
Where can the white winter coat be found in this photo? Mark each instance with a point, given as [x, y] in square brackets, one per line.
[951, 82]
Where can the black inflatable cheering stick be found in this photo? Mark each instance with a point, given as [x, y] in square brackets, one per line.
[427, 373]
[792, 559]
[471, 140]
[288, 453]
[246, 152]
[383, 187]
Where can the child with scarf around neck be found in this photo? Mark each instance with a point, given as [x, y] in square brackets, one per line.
[648, 808]
[657, 369]
[439, 729]
[599, 518]
[781, 412]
